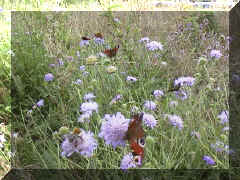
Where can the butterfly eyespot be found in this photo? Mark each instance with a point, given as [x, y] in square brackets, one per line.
[141, 142]
[136, 159]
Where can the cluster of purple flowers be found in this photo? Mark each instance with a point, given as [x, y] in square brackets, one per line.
[150, 105]
[48, 77]
[223, 116]
[216, 54]
[175, 120]
[184, 81]
[83, 143]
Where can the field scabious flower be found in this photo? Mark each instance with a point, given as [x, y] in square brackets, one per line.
[181, 94]
[85, 117]
[99, 41]
[89, 107]
[154, 45]
[149, 120]
[223, 116]
[78, 82]
[127, 162]
[114, 128]
[184, 81]
[175, 121]
[115, 99]
[215, 54]
[158, 93]
[84, 43]
[40, 103]
[208, 160]
[83, 143]
[150, 105]
[48, 77]
[89, 97]
[82, 68]
[144, 40]
[131, 79]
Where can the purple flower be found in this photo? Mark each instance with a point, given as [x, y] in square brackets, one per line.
[188, 81]
[114, 128]
[52, 65]
[175, 121]
[84, 43]
[223, 116]
[218, 146]
[150, 105]
[149, 120]
[194, 133]
[48, 77]
[89, 107]
[158, 93]
[99, 40]
[40, 103]
[208, 160]
[83, 143]
[127, 162]
[144, 40]
[78, 82]
[173, 103]
[85, 117]
[131, 79]
[60, 62]
[116, 20]
[115, 99]
[89, 96]
[181, 94]
[154, 45]
[85, 73]
[82, 68]
[215, 54]
[225, 129]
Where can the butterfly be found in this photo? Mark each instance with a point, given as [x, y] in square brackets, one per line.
[175, 88]
[85, 38]
[136, 137]
[111, 52]
[98, 35]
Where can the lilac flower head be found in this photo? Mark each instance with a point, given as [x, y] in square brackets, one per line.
[175, 121]
[89, 96]
[225, 129]
[40, 103]
[208, 160]
[127, 162]
[114, 128]
[99, 40]
[184, 81]
[89, 107]
[173, 103]
[150, 105]
[52, 65]
[181, 94]
[215, 54]
[144, 40]
[48, 77]
[149, 120]
[85, 73]
[115, 99]
[82, 68]
[60, 62]
[84, 43]
[83, 143]
[194, 133]
[154, 45]
[78, 82]
[158, 93]
[131, 79]
[223, 116]
[218, 146]
[85, 117]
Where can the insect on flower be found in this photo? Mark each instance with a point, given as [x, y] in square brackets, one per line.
[85, 38]
[136, 137]
[111, 52]
[98, 35]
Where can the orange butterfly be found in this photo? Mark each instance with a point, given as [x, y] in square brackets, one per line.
[98, 35]
[111, 52]
[85, 38]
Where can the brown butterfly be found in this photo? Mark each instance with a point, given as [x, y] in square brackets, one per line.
[111, 52]
[98, 35]
[136, 137]
[85, 38]
[175, 88]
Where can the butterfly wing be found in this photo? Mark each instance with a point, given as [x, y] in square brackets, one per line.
[98, 35]
[85, 38]
[111, 52]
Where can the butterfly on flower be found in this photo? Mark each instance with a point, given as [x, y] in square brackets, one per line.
[111, 52]
[136, 137]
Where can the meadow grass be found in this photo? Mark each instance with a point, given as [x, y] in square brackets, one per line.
[38, 42]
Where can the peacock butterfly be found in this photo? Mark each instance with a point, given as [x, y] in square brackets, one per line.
[136, 137]
[98, 35]
[111, 52]
[85, 38]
